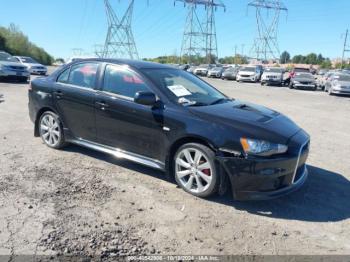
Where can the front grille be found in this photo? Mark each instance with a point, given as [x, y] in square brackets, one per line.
[20, 68]
[38, 67]
[245, 75]
[305, 83]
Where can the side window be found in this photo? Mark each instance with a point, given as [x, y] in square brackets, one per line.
[122, 82]
[83, 75]
[63, 78]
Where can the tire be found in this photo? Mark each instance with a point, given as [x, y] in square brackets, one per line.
[188, 175]
[291, 86]
[51, 130]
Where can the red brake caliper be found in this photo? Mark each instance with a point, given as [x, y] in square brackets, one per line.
[207, 172]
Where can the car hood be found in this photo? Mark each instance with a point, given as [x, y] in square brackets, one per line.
[272, 74]
[343, 83]
[7, 63]
[31, 65]
[249, 120]
[246, 73]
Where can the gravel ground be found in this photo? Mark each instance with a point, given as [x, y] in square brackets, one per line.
[77, 201]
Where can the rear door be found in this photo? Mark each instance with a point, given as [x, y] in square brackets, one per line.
[74, 95]
[120, 122]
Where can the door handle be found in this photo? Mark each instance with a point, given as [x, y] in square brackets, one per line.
[58, 94]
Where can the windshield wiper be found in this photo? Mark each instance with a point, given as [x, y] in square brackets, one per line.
[220, 100]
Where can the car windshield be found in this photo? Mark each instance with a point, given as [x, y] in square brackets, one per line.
[217, 68]
[28, 60]
[304, 75]
[7, 57]
[345, 78]
[185, 88]
[248, 69]
[273, 70]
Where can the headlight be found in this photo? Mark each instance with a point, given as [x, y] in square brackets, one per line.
[262, 148]
[296, 82]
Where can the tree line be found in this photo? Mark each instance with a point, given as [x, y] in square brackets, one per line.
[197, 60]
[310, 59]
[15, 42]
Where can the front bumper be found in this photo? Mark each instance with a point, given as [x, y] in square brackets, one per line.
[14, 74]
[255, 178]
[306, 86]
[38, 71]
[272, 81]
[246, 78]
[341, 91]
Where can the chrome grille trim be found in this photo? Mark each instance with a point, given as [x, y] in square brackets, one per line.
[297, 165]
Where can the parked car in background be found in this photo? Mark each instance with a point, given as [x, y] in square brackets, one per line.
[249, 74]
[32, 65]
[272, 76]
[11, 69]
[216, 72]
[322, 72]
[230, 73]
[303, 81]
[202, 70]
[339, 83]
[323, 79]
[298, 70]
[77, 58]
[191, 69]
[167, 119]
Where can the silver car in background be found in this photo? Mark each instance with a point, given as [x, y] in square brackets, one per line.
[272, 76]
[339, 83]
[215, 72]
[32, 65]
[10, 69]
[230, 73]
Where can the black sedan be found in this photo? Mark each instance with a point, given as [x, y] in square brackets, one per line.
[171, 120]
[303, 81]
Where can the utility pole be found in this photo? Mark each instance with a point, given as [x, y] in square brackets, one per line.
[120, 41]
[266, 44]
[236, 50]
[199, 39]
[345, 48]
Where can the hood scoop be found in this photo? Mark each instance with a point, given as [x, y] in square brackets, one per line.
[265, 116]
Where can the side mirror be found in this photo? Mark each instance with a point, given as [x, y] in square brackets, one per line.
[145, 98]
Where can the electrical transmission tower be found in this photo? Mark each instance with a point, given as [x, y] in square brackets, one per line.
[266, 44]
[346, 48]
[120, 40]
[199, 39]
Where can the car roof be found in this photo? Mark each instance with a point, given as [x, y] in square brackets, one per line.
[138, 64]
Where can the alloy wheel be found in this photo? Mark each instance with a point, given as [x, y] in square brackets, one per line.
[193, 170]
[50, 130]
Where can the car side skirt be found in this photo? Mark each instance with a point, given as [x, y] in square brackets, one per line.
[118, 153]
